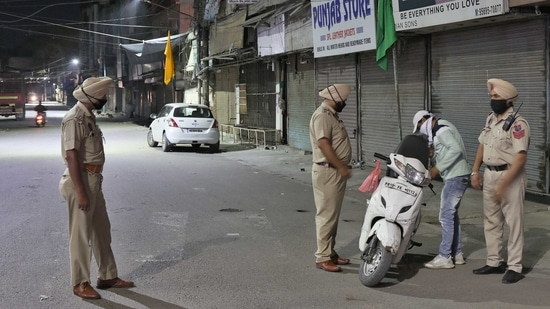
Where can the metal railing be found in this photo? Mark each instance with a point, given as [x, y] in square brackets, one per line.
[256, 136]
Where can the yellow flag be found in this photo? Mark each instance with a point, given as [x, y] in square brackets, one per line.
[169, 62]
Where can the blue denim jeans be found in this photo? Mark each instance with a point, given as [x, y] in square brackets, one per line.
[451, 234]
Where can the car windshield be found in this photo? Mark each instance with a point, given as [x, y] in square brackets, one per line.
[195, 112]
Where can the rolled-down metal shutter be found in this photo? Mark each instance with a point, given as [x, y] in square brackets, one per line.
[260, 95]
[342, 70]
[380, 124]
[224, 98]
[301, 97]
[464, 60]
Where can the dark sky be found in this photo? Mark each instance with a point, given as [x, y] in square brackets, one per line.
[21, 19]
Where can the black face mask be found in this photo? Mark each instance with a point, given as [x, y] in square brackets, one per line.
[499, 106]
[99, 104]
[340, 106]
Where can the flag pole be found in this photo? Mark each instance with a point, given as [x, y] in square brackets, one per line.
[386, 38]
[397, 97]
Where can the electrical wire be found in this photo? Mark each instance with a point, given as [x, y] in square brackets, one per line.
[74, 28]
[43, 8]
[70, 38]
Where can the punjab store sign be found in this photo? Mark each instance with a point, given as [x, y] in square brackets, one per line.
[342, 26]
[414, 14]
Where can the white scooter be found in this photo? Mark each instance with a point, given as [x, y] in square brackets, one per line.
[393, 211]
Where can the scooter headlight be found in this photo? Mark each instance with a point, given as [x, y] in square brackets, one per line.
[400, 166]
[415, 177]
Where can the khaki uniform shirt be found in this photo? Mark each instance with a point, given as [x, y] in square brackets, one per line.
[499, 146]
[326, 124]
[79, 131]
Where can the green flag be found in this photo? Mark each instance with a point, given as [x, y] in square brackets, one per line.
[385, 32]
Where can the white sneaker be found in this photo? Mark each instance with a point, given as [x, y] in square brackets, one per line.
[459, 259]
[440, 262]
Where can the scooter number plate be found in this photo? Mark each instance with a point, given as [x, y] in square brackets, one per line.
[401, 188]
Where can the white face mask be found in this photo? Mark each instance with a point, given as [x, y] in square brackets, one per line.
[426, 129]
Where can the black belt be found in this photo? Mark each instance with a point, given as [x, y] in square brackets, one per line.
[327, 164]
[498, 168]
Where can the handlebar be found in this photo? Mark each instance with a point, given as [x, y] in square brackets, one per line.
[383, 157]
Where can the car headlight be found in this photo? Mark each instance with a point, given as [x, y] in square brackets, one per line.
[415, 177]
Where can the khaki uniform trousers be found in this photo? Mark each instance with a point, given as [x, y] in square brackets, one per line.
[89, 232]
[328, 191]
[510, 211]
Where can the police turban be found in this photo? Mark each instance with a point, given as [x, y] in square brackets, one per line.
[503, 88]
[336, 92]
[95, 87]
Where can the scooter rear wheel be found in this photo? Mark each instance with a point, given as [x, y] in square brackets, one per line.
[376, 263]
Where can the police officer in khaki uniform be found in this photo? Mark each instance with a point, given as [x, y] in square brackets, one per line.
[331, 156]
[503, 145]
[80, 185]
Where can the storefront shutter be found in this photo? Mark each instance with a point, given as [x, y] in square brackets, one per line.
[301, 98]
[380, 123]
[463, 60]
[259, 78]
[342, 70]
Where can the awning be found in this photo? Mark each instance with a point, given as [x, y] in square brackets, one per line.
[261, 18]
[263, 5]
[151, 50]
[254, 21]
[227, 34]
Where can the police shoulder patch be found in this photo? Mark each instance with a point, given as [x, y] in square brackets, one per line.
[518, 131]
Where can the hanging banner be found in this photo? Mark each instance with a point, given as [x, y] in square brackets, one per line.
[342, 27]
[416, 14]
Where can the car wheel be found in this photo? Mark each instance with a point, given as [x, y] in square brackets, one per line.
[150, 141]
[166, 146]
[214, 147]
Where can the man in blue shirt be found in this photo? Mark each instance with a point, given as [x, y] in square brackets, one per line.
[449, 160]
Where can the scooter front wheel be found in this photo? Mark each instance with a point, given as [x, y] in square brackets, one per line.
[376, 263]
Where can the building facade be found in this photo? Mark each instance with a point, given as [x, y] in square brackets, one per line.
[260, 65]
[437, 65]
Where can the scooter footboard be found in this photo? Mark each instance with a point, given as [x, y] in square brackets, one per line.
[389, 234]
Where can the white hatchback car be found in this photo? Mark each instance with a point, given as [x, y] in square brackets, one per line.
[184, 123]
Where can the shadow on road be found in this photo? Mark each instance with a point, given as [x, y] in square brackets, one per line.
[145, 300]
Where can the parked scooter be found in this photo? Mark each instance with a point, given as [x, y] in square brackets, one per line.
[393, 211]
[40, 119]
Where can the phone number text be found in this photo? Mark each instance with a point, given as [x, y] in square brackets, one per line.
[489, 10]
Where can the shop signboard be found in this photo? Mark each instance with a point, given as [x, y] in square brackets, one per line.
[416, 14]
[342, 27]
[242, 1]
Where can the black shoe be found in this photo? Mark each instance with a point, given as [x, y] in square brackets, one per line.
[511, 277]
[486, 270]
